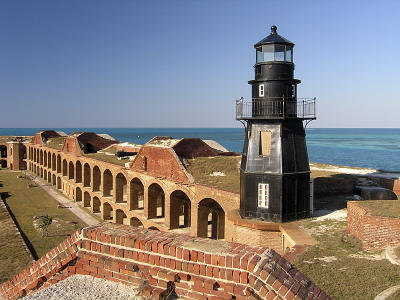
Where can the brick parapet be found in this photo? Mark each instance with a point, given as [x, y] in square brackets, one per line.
[195, 268]
[374, 232]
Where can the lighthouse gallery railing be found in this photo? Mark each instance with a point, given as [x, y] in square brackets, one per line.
[276, 108]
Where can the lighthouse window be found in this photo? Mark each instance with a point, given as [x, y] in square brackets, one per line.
[263, 195]
[289, 54]
[265, 143]
[279, 52]
[268, 52]
[259, 55]
[261, 90]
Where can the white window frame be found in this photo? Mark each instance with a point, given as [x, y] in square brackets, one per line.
[261, 90]
[263, 195]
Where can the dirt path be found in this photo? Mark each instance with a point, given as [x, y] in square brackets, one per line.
[64, 201]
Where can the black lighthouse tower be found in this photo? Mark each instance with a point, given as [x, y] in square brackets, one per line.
[274, 172]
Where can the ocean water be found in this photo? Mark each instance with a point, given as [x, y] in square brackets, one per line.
[359, 147]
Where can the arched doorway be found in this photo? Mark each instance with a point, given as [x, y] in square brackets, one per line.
[86, 200]
[53, 182]
[136, 194]
[107, 183]
[45, 175]
[86, 175]
[49, 160]
[45, 158]
[78, 195]
[49, 177]
[121, 189]
[96, 205]
[107, 211]
[58, 163]
[120, 217]
[71, 170]
[64, 168]
[179, 210]
[135, 222]
[153, 228]
[78, 173]
[96, 179]
[211, 219]
[156, 207]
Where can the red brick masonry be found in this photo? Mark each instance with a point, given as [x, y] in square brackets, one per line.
[374, 232]
[195, 268]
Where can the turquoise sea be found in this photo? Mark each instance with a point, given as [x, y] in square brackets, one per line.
[360, 147]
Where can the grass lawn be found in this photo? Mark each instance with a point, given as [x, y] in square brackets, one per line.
[25, 203]
[339, 266]
[108, 158]
[13, 257]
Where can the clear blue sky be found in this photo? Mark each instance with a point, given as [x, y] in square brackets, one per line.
[182, 63]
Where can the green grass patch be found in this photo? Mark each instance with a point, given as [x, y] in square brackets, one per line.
[202, 169]
[26, 203]
[108, 158]
[13, 256]
[56, 142]
[339, 266]
[382, 208]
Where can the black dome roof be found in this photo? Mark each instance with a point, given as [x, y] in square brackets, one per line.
[273, 38]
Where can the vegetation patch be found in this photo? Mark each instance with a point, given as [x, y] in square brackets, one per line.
[339, 266]
[27, 204]
[13, 256]
[113, 159]
[382, 208]
[208, 171]
[56, 142]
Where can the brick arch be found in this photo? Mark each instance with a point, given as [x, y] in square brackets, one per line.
[96, 178]
[78, 194]
[121, 188]
[108, 183]
[120, 217]
[107, 211]
[45, 158]
[71, 170]
[136, 197]
[78, 171]
[86, 199]
[210, 219]
[87, 175]
[64, 167]
[41, 157]
[156, 201]
[96, 205]
[49, 159]
[136, 222]
[180, 210]
[58, 163]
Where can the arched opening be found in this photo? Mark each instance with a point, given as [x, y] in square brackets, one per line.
[3, 151]
[59, 183]
[49, 177]
[179, 210]
[24, 165]
[34, 155]
[136, 194]
[86, 200]
[45, 159]
[211, 219]
[86, 175]
[49, 160]
[156, 201]
[53, 182]
[3, 164]
[120, 217]
[58, 163]
[41, 157]
[107, 183]
[64, 168]
[107, 211]
[121, 189]
[78, 173]
[154, 228]
[41, 172]
[96, 179]
[71, 170]
[135, 222]
[78, 195]
[96, 205]
[45, 175]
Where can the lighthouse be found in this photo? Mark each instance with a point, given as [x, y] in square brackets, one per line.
[274, 171]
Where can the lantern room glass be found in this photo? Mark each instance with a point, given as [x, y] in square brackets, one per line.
[274, 52]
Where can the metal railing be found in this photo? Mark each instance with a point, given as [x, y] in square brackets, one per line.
[276, 108]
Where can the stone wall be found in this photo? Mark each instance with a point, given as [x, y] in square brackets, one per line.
[162, 262]
[375, 232]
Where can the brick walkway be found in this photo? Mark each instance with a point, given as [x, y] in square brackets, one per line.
[64, 201]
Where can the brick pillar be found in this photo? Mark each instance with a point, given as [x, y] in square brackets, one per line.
[114, 190]
[194, 208]
[167, 204]
[128, 194]
[146, 202]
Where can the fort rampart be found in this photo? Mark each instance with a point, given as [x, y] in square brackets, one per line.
[165, 262]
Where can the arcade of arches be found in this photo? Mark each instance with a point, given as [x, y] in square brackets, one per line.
[120, 195]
